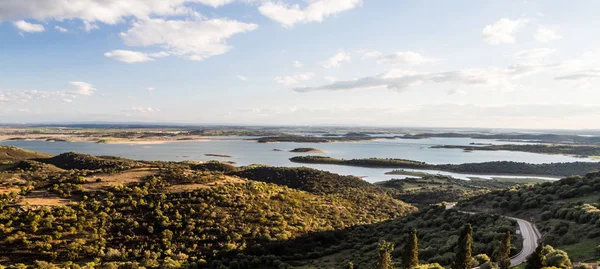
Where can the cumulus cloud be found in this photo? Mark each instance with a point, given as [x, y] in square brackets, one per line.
[400, 57]
[502, 31]
[195, 40]
[298, 64]
[81, 89]
[545, 34]
[150, 89]
[316, 11]
[242, 78]
[337, 60]
[61, 29]
[294, 79]
[399, 80]
[129, 56]
[92, 11]
[534, 54]
[29, 27]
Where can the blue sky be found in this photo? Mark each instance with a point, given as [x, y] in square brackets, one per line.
[513, 64]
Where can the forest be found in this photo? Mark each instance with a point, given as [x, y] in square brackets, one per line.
[498, 167]
[576, 150]
[76, 210]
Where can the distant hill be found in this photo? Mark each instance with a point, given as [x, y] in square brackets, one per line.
[10, 154]
[72, 160]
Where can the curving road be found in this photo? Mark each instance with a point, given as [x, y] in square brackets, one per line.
[531, 236]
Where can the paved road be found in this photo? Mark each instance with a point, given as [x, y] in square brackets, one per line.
[530, 241]
[530, 236]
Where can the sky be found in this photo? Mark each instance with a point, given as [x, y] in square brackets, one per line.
[427, 63]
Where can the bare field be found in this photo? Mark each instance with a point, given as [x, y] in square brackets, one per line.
[108, 180]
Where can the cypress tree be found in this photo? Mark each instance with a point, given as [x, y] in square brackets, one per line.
[464, 249]
[537, 260]
[503, 252]
[410, 257]
[385, 255]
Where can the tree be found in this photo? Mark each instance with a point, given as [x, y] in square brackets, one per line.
[464, 249]
[503, 252]
[385, 256]
[537, 260]
[410, 256]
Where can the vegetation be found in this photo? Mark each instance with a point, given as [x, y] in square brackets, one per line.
[410, 257]
[437, 189]
[307, 150]
[499, 167]
[464, 249]
[577, 150]
[72, 160]
[541, 138]
[313, 139]
[566, 211]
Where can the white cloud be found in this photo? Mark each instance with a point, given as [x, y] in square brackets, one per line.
[316, 11]
[545, 34]
[295, 79]
[60, 29]
[330, 79]
[195, 40]
[583, 75]
[82, 89]
[129, 56]
[399, 80]
[29, 27]
[92, 11]
[242, 78]
[534, 54]
[159, 54]
[150, 89]
[502, 31]
[142, 110]
[298, 64]
[400, 57]
[456, 92]
[337, 60]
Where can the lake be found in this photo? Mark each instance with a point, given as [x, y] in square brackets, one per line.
[246, 152]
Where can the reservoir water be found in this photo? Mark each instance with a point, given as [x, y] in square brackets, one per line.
[247, 152]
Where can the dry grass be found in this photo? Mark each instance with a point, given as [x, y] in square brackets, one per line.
[5, 190]
[42, 198]
[194, 186]
[120, 179]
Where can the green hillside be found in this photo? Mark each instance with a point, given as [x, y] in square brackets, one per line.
[567, 211]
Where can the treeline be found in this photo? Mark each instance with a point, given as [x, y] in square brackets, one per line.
[578, 150]
[312, 139]
[498, 167]
[545, 138]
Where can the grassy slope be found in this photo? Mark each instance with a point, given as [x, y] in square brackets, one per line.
[10, 154]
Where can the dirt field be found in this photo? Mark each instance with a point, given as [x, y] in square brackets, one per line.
[130, 176]
[43, 198]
